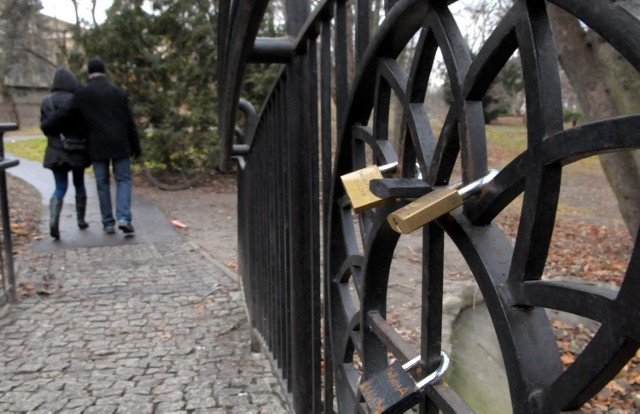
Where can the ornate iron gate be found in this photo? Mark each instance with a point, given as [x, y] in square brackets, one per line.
[293, 208]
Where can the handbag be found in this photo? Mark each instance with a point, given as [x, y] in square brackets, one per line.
[73, 143]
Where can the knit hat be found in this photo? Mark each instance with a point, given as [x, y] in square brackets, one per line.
[95, 66]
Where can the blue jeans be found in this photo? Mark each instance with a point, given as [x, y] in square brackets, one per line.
[122, 173]
[61, 177]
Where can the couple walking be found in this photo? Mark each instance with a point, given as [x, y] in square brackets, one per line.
[86, 125]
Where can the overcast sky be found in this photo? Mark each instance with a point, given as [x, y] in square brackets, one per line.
[63, 9]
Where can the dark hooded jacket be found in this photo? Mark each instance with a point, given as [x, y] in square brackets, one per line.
[53, 106]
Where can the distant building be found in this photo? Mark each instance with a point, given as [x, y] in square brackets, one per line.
[28, 71]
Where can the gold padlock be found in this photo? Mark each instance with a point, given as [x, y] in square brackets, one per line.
[433, 205]
[356, 184]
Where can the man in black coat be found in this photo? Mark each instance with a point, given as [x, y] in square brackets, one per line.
[112, 139]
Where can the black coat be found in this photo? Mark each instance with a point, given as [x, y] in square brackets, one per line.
[53, 105]
[105, 109]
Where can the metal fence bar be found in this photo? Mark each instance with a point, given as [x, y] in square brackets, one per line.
[237, 29]
[279, 251]
[326, 145]
[279, 217]
[9, 293]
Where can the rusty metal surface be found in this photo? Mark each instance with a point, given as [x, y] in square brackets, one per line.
[390, 391]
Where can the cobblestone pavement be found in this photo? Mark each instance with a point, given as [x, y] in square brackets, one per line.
[146, 324]
[153, 328]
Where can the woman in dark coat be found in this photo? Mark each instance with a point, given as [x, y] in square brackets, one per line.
[66, 148]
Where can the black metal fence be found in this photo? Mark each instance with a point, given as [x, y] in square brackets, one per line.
[279, 251]
[9, 288]
[316, 273]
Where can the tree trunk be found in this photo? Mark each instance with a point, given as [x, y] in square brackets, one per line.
[15, 18]
[606, 86]
[9, 106]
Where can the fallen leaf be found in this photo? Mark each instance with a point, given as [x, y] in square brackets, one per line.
[568, 358]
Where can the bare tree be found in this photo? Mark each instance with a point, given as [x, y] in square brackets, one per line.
[606, 85]
[14, 20]
[485, 14]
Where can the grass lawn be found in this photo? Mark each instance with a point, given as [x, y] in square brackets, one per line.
[504, 142]
[30, 149]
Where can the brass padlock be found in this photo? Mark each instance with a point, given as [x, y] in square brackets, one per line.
[394, 391]
[356, 184]
[433, 205]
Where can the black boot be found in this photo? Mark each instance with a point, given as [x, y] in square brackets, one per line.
[81, 209]
[55, 207]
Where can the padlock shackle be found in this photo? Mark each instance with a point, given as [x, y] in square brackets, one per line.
[474, 186]
[435, 375]
[388, 167]
[412, 363]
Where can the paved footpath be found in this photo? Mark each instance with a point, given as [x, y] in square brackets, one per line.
[149, 324]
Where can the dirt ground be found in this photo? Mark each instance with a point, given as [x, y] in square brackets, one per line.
[24, 210]
[587, 206]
